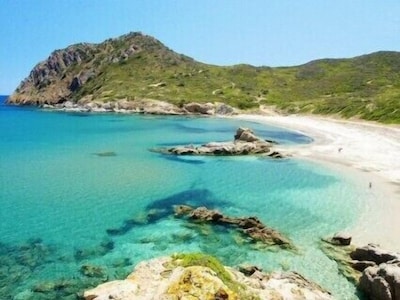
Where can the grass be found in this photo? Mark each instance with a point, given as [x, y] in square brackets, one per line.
[366, 87]
[204, 260]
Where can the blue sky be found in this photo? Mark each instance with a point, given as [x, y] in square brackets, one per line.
[223, 32]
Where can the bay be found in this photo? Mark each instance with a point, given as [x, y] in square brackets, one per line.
[60, 199]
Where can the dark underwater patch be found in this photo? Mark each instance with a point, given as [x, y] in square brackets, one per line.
[163, 208]
[105, 154]
[79, 114]
[182, 160]
[193, 197]
[190, 129]
[288, 136]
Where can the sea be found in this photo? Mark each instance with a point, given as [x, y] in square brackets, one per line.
[83, 200]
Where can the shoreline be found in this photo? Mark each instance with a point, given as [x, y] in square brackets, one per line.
[368, 155]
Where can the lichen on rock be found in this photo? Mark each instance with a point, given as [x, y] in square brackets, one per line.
[200, 276]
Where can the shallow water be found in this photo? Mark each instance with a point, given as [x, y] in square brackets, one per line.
[63, 206]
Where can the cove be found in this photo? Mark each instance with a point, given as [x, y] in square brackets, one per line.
[60, 203]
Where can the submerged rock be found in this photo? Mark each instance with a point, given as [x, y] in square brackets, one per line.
[106, 154]
[198, 276]
[245, 143]
[93, 271]
[250, 227]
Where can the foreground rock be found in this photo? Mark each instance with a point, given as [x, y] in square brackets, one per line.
[375, 271]
[381, 277]
[251, 227]
[197, 276]
[245, 143]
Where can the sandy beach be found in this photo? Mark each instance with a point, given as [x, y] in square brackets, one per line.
[368, 152]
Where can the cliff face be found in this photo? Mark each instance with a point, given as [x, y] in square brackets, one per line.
[52, 81]
[64, 72]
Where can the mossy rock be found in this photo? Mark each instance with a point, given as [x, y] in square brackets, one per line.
[235, 290]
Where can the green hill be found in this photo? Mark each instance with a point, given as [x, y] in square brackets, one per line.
[136, 66]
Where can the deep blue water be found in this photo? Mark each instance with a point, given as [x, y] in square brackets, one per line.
[63, 206]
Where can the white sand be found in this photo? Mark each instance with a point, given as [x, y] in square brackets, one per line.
[369, 152]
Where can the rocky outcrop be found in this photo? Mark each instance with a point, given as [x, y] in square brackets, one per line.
[380, 277]
[382, 282]
[339, 239]
[374, 253]
[123, 106]
[245, 143]
[375, 271]
[251, 227]
[204, 278]
[59, 78]
[50, 81]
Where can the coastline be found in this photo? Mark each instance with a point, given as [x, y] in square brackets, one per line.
[367, 153]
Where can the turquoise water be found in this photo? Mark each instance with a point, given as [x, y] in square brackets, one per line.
[61, 204]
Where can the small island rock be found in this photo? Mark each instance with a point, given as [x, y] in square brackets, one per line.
[245, 143]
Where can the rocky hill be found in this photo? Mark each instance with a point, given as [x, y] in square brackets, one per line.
[138, 67]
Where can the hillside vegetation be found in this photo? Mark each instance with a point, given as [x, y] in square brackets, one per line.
[136, 66]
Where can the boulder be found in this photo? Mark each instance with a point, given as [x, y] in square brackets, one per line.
[381, 282]
[199, 108]
[246, 135]
[375, 271]
[340, 239]
[245, 143]
[373, 253]
[224, 109]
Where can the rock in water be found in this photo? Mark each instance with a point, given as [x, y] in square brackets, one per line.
[245, 143]
[340, 239]
[375, 271]
[373, 253]
[251, 227]
[381, 282]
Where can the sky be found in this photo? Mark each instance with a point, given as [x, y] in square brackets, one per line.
[222, 32]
